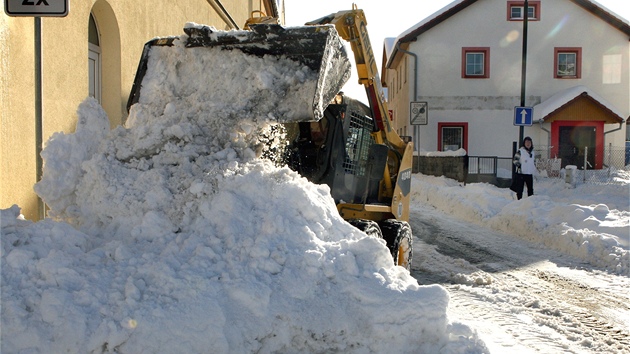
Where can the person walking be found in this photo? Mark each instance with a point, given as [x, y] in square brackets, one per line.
[525, 168]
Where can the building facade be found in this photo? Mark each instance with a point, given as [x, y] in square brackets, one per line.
[92, 51]
[464, 64]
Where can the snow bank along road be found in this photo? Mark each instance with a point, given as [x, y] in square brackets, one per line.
[519, 296]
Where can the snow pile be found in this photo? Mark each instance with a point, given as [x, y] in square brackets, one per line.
[449, 153]
[183, 241]
[571, 220]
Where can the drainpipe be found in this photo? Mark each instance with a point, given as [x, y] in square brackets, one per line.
[415, 85]
[415, 69]
[610, 131]
[225, 15]
[541, 121]
[39, 108]
[614, 130]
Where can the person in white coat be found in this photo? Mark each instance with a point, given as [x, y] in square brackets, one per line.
[525, 168]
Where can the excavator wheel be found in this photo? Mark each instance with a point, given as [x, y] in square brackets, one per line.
[399, 240]
[370, 227]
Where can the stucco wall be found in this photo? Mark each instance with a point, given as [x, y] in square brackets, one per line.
[124, 26]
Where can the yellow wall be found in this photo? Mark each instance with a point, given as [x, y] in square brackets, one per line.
[124, 26]
[397, 78]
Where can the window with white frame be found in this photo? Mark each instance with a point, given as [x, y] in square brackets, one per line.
[394, 87]
[475, 63]
[452, 136]
[516, 10]
[94, 60]
[405, 67]
[567, 63]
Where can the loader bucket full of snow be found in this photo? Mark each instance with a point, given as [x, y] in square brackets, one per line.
[283, 74]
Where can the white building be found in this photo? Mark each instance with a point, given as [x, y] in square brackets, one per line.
[465, 63]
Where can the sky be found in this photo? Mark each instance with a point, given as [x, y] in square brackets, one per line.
[389, 21]
[170, 235]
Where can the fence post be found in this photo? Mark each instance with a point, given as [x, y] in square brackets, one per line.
[585, 163]
[609, 158]
[514, 148]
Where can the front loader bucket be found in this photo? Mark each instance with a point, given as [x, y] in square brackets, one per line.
[322, 65]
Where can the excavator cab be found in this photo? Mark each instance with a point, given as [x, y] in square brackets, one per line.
[340, 151]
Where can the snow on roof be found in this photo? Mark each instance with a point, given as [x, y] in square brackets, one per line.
[559, 99]
[389, 45]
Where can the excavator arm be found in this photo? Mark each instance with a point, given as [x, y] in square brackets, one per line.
[352, 27]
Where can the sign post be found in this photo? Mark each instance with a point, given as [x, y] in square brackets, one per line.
[524, 63]
[37, 9]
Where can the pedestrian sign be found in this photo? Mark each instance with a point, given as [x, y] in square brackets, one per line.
[523, 116]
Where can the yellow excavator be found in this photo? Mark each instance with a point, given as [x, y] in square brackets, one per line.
[343, 143]
[364, 161]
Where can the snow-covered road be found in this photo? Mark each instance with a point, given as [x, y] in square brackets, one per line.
[519, 296]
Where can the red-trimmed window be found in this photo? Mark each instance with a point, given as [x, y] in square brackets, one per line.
[516, 10]
[567, 63]
[475, 62]
[452, 136]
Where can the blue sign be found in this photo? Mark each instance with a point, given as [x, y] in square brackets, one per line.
[523, 116]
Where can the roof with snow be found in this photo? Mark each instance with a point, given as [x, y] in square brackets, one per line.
[564, 98]
[388, 46]
[456, 6]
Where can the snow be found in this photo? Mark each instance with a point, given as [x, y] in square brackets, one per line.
[543, 109]
[171, 235]
[448, 153]
[590, 222]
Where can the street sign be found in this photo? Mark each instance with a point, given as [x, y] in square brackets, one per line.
[523, 116]
[36, 8]
[419, 113]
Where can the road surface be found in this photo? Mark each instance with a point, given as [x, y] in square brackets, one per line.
[518, 296]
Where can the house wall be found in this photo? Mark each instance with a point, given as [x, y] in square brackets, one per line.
[124, 26]
[488, 104]
[402, 90]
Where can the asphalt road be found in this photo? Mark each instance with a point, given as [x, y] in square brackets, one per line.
[519, 296]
